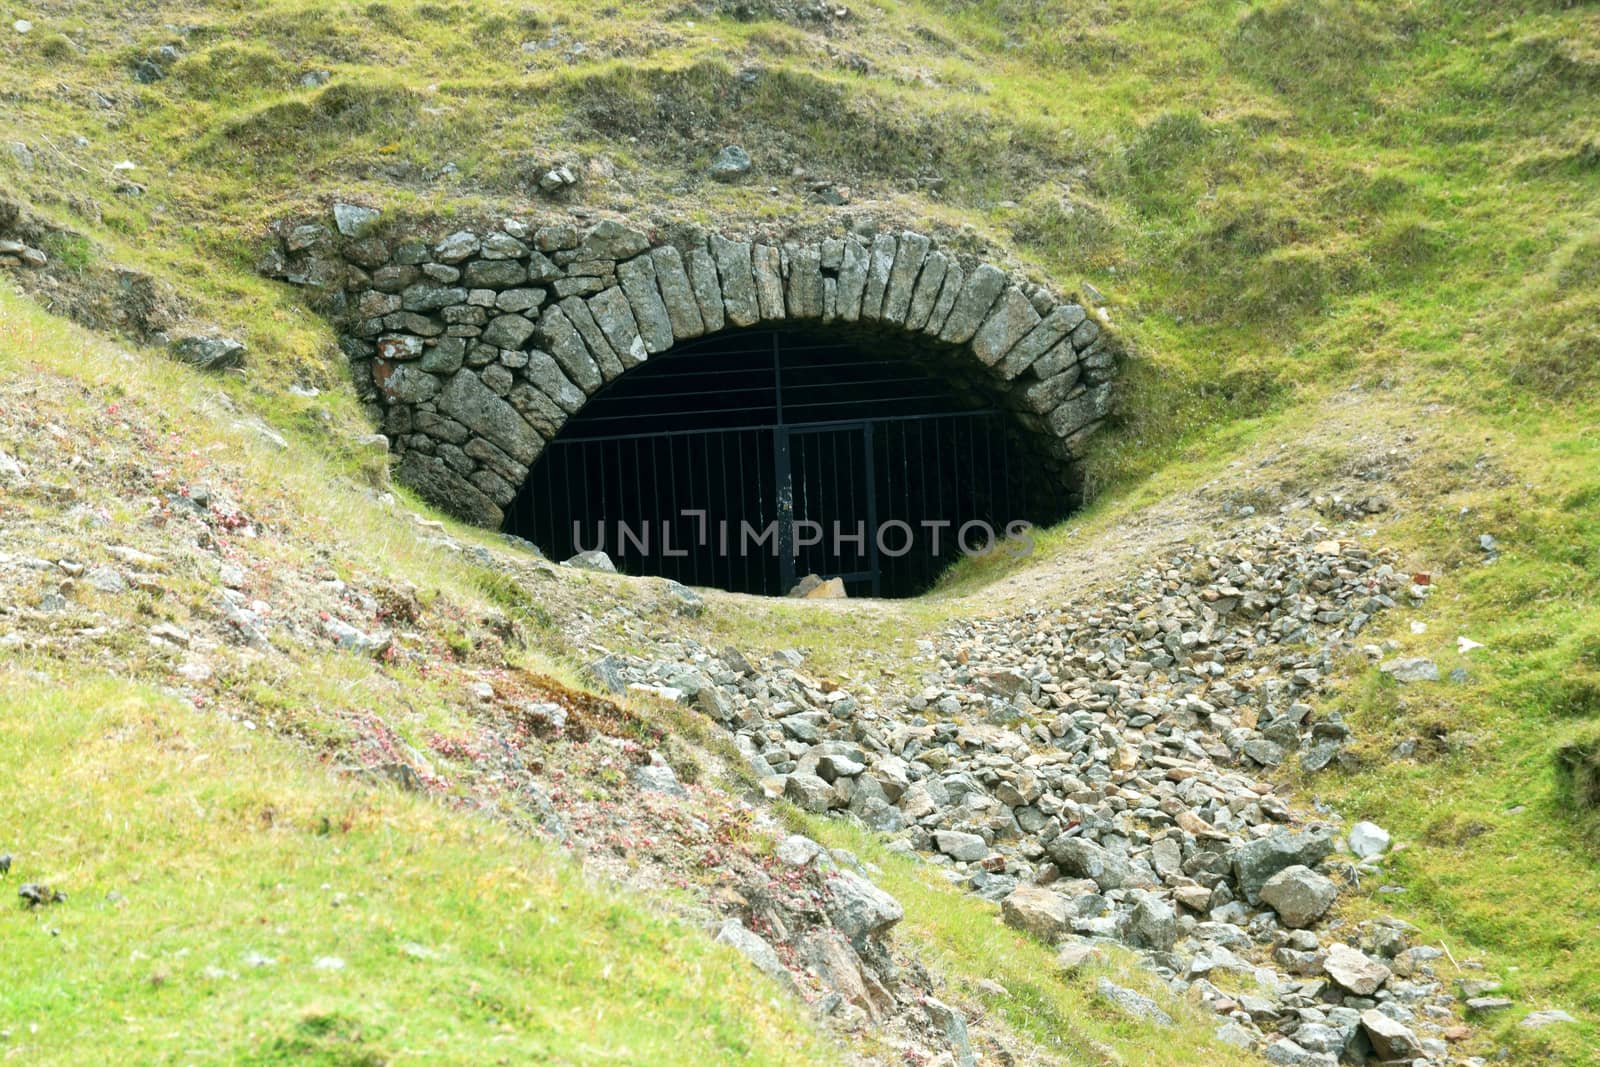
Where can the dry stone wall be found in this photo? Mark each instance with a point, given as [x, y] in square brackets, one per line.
[477, 344]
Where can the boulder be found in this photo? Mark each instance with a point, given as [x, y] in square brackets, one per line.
[1354, 971]
[860, 909]
[968, 848]
[1299, 895]
[1085, 859]
[1391, 1040]
[1256, 861]
[1368, 839]
[1037, 910]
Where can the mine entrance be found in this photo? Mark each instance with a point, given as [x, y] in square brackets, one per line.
[751, 459]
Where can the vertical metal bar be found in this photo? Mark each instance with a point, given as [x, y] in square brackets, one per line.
[783, 489]
[777, 379]
[872, 510]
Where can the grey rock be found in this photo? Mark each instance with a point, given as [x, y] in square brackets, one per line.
[593, 560]
[658, 778]
[1151, 924]
[879, 265]
[809, 792]
[502, 246]
[955, 280]
[972, 306]
[730, 164]
[1037, 910]
[1256, 861]
[471, 403]
[738, 280]
[1354, 970]
[1131, 1003]
[209, 353]
[805, 290]
[853, 264]
[353, 220]
[438, 484]
[562, 339]
[860, 909]
[1085, 859]
[908, 260]
[707, 289]
[1410, 670]
[949, 1022]
[1391, 1039]
[614, 315]
[968, 848]
[1299, 895]
[677, 293]
[507, 331]
[767, 270]
[1012, 319]
[1041, 339]
[594, 338]
[408, 384]
[756, 949]
[494, 274]
[1538, 1020]
[637, 277]
[457, 247]
[613, 240]
[1368, 840]
[926, 293]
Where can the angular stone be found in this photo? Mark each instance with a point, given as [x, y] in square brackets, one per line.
[542, 413]
[445, 356]
[955, 279]
[1039, 911]
[540, 269]
[805, 283]
[879, 266]
[738, 281]
[577, 313]
[519, 299]
[767, 264]
[471, 403]
[1041, 397]
[425, 297]
[1041, 339]
[493, 486]
[830, 299]
[968, 848]
[563, 341]
[1353, 970]
[353, 220]
[683, 309]
[407, 383]
[1056, 360]
[637, 277]
[1391, 1039]
[756, 950]
[808, 792]
[1151, 924]
[1012, 319]
[439, 485]
[1299, 895]
[1085, 859]
[549, 378]
[1133, 1004]
[707, 290]
[456, 247]
[614, 315]
[494, 274]
[972, 306]
[490, 456]
[926, 293]
[858, 908]
[1368, 839]
[853, 263]
[1086, 334]
[507, 331]
[1074, 414]
[908, 260]
[1256, 861]
[502, 246]
[612, 240]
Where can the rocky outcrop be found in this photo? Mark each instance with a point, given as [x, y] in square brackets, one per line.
[475, 346]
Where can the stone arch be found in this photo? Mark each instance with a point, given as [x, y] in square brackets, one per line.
[476, 347]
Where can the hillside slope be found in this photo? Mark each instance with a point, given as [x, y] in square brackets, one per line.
[1349, 245]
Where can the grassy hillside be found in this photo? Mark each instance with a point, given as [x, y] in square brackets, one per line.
[1282, 200]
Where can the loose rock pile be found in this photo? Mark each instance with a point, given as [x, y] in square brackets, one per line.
[1095, 772]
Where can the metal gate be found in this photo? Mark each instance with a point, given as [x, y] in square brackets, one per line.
[713, 467]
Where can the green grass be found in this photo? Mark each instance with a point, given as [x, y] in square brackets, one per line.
[1283, 199]
[186, 845]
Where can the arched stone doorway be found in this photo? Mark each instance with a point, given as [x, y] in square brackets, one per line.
[478, 347]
